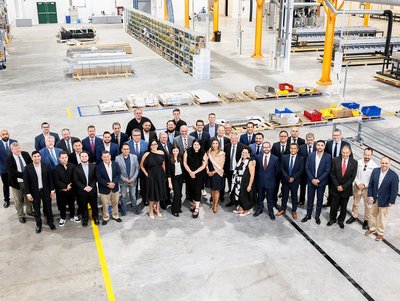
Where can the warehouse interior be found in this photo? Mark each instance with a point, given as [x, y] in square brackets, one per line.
[217, 256]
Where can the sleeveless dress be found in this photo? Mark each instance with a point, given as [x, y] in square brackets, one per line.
[194, 161]
[240, 181]
[156, 181]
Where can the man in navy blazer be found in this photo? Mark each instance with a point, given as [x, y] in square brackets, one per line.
[40, 140]
[108, 174]
[267, 168]
[318, 167]
[292, 166]
[5, 151]
[304, 151]
[382, 193]
[117, 136]
[107, 145]
[90, 143]
[50, 154]
[201, 134]
[248, 137]
[256, 147]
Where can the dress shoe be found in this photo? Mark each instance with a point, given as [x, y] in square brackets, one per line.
[368, 232]
[294, 215]
[305, 219]
[379, 237]
[175, 214]
[230, 204]
[118, 220]
[6, 204]
[365, 225]
[163, 205]
[330, 223]
[22, 220]
[84, 224]
[32, 214]
[180, 211]
[96, 221]
[300, 204]
[341, 225]
[146, 203]
[52, 227]
[103, 223]
[280, 213]
[38, 229]
[351, 220]
[326, 205]
[318, 220]
[257, 213]
[272, 216]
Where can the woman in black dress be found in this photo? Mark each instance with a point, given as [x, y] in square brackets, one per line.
[195, 162]
[243, 192]
[153, 167]
[175, 178]
[215, 172]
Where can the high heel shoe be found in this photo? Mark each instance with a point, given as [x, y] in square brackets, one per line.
[158, 214]
[151, 216]
[215, 209]
[195, 213]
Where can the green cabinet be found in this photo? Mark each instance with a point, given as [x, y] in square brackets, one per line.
[47, 12]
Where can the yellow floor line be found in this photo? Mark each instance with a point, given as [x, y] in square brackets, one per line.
[69, 114]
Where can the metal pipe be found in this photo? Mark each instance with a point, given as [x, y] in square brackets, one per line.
[389, 14]
[352, 12]
[386, 2]
[306, 4]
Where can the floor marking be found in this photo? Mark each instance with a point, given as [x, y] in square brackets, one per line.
[69, 113]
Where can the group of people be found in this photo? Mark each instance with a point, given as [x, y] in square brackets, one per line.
[116, 167]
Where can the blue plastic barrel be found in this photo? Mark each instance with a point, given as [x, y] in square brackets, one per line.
[68, 19]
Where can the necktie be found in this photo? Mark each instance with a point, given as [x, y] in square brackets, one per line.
[309, 149]
[233, 157]
[258, 150]
[199, 135]
[116, 139]
[53, 156]
[92, 145]
[282, 149]
[68, 146]
[185, 144]
[21, 164]
[265, 162]
[7, 148]
[295, 140]
[344, 168]
[137, 149]
[291, 166]
[335, 150]
[166, 149]
[249, 139]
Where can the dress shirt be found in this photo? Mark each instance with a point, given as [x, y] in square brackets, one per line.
[178, 168]
[137, 148]
[363, 176]
[19, 167]
[107, 147]
[339, 144]
[308, 149]
[282, 146]
[171, 137]
[317, 161]
[221, 142]
[6, 144]
[109, 170]
[85, 168]
[78, 157]
[382, 176]
[233, 162]
[146, 136]
[211, 130]
[38, 170]
[199, 135]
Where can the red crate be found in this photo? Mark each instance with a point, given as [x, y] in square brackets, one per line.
[286, 86]
[314, 115]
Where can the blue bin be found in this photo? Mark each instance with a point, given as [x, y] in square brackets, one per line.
[371, 111]
[78, 21]
[68, 19]
[351, 105]
[285, 111]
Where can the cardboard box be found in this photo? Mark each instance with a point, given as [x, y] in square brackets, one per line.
[344, 113]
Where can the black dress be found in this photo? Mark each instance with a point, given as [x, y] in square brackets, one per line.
[241, 180]
[216, 182]
[156, 187]
[194, 161]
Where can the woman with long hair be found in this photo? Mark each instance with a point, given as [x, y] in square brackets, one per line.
[175, 178]
[195, 162]
[215, 172]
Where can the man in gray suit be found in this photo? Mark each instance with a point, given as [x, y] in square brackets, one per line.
[184, 140]
[129, 166]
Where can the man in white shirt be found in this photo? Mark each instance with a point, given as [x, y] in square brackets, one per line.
[360, 186]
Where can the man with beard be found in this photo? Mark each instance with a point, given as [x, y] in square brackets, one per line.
[5, 151]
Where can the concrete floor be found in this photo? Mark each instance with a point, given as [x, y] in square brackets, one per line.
[216, 257]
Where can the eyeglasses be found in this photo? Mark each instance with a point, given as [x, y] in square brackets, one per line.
[365, 168]
[154, 144]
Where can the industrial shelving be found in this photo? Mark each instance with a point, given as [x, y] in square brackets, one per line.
[4, 31]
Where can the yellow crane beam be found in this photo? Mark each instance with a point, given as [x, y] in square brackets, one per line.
[258, 35]
[366, 17]
[165, 11]
[216, 16]
[187, 14]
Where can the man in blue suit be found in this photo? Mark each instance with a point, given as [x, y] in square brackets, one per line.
[50, 154]
[40, 140]
[90, 143]
[5, 151]
[201, 134]
[256, 147]
[304, 151]
[267, 168]
[318, 167]
[108, 146]
[248, 137]
[382, 193]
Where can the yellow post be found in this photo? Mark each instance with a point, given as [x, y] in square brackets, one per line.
[366, 17]
[187, 14]
[258, 36]
[216, 15]
[165, 11]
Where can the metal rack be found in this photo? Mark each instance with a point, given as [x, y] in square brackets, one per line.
[364, 45]
[4, 31]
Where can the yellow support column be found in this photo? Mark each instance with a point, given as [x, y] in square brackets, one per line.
[216, 16]
[366, 17]
[165, 11]
[258, 36]
[187, 14]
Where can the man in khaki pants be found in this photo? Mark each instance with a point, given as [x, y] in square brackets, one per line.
[108, 174]
[360, 187]
[382, 193]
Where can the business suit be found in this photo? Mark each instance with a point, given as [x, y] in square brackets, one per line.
[179, 142]
[143, 147]
[48, 159]
[86, 145]
[152, 136]
[63, 144]
[121, 140]
[73, 158]
[230, 165]
[15, 180]
[81, 182]
[341, 198]
[114, 151]
[329, 148]
[62, 177]
[265, 182]
[276, 150]
[108, 195]
[299, 141]
[205, 137]
[128, 187]
[303, 151]
[32, 187]
[244, 138]
[322, 175]
[295, 173]
[172, 135]
[178, 124]
[3, 170]
[40, 140]
[166, 151]
[207, 129]
[254, 148]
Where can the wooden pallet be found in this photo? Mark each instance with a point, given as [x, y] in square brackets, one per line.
[275, 125]
[388, 80]
[308, 94]
[126, 46]
[359, 60]
[100, 75]
[289, 95]
[257, 128]
[234, 97]
[197, 102]
[254, 95]
[307, 48]
[306, 122]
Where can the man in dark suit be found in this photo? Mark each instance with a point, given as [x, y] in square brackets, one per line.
[304, 151]
[248, 137]
[211, 127]
[292, 167]
[108, 146]
[137, 122]
[90, 143]
[279, 149]
[184, 141]
[256, 147]
[343, 173]
[294, 137]
[171, 131]
[5, 151]
[147, 134]
[50, 154]
[117, 136]
[15, 164]
[74, 157]
[177, 119]
[200, 134]
[318, 167]
[39, 188]
[85, 182]
[40, 140]
[382, 193]
[67, 141]
[267, 169]
[108, 174]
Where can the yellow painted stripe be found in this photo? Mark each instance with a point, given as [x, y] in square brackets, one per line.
[69, 113]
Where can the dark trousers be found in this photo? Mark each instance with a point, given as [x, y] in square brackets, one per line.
[266, 193]
[293, 188]
[310, 199]
[177, 183]
[79, 202]
[336, 203]
[143, 188]
[303, 186]
[229, 175]
[6, 188]
[64, 199]
[46, 209]
[89, 198]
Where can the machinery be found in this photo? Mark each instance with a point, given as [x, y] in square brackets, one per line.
[364, 45]
[305, 16]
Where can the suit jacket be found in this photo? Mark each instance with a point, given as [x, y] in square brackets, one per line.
[143, 148]
[244, 138]
[152, 136]
[46, 157]
[205, 137]
[300, 141]
[4, 154]
[134, 172]
[40, 141]
[12, 169]
[80, 179]
[329, 148]
[123, 138]
[72, 158]
[266, 178]
[176, 134]
[207, 129]
[87, 147]
[303, 150]
[298, 169]
[103, 178]
[179, 141]
[228, 148]
[276, 150]
[169, 148]
[134, 124]
[179, 124]
[323, 171]
[63, 145]
[114, 150]
[170, 168]
[346, 181]
[253, 148]
[31, 181]
[62, 177]
[387, 193]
